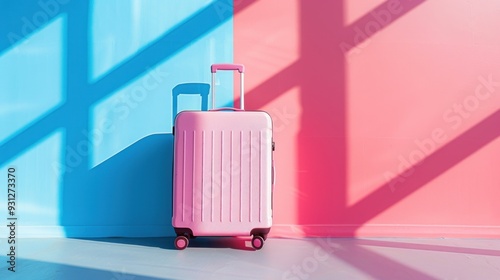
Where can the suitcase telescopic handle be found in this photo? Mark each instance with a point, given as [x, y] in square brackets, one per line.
[228, 66]
[233, 67]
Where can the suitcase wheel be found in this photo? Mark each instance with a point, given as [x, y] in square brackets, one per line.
[257, 242]
[181, 242]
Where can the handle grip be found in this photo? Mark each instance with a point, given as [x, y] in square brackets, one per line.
[228, 66]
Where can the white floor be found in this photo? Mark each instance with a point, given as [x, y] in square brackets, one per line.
[233, 258]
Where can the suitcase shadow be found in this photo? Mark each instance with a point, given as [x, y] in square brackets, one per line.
[237, 243]
[228, 242]
[128, 194]
[197, 89]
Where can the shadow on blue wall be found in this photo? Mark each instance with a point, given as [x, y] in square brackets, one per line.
[196, 89]
[132, 188]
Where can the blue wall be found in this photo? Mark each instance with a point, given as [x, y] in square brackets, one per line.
[86, 108]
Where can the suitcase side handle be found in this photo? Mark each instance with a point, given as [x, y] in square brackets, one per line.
[234, 67]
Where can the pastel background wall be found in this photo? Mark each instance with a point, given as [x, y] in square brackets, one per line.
[86, 98]
[386, 113]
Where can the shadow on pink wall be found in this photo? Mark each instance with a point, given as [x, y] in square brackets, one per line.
[322, 142]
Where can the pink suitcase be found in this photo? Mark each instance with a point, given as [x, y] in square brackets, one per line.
[223, 171]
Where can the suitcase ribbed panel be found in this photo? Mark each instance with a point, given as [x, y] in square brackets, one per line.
[222, 178]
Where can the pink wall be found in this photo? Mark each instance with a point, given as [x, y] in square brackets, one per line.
[365, 91]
